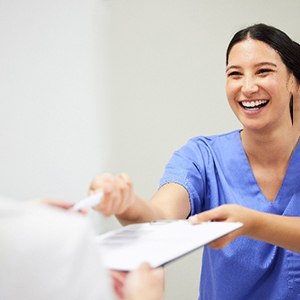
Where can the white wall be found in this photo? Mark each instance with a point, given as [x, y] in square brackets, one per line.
[168, 79]
[53, 114]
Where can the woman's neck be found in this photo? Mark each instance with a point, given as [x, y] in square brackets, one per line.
[270, 148]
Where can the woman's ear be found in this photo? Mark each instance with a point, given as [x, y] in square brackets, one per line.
[291, 84]
[296, 96]
[296, 104]
[294, 85]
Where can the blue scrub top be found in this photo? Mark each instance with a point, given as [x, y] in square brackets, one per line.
[215, 171]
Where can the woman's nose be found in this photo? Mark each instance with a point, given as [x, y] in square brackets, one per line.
[249, 86]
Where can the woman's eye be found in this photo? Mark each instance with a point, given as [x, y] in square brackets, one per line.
[264, 71]
[234, 74]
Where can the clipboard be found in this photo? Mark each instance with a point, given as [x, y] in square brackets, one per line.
[157, 243]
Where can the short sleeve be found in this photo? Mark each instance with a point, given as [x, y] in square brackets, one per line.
[186, 168]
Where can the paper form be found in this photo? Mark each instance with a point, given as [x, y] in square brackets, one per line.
[157, 243]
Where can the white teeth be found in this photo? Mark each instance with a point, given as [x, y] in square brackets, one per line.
[253, 103]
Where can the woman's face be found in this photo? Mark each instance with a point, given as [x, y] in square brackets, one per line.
[258, 85]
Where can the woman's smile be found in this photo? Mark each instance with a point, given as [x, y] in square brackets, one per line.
[253, 106]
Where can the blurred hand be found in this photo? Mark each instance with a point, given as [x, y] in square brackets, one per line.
[57, 203]
[118, 281]
[228, 213]
[118, 194]
[144, 283]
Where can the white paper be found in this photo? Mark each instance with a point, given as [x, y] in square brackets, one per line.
[157, 243]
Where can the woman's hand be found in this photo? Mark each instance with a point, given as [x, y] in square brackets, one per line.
[228, 213]
[118, 194]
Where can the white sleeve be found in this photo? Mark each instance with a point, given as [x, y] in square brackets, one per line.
[49, 254]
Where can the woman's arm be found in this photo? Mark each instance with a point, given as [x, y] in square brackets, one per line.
[171, 201]
[283, 231]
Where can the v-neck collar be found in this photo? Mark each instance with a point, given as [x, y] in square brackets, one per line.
[289, 182]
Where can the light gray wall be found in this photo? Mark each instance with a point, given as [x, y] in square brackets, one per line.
[53, 99]
[168, 84]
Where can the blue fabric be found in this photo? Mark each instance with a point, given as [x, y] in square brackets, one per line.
[215, 171]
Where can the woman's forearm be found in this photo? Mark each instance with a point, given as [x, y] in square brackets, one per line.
[283, 231]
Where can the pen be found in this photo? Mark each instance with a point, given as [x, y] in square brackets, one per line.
[88, 202]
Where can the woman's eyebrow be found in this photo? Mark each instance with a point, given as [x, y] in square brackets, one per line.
[267, 63]
[232, 67]
[264, 63]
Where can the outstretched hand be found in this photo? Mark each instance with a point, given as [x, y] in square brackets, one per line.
[118, 194]
[227, 213]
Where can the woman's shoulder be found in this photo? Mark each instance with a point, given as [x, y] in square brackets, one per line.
[224, 138]
[210, 145]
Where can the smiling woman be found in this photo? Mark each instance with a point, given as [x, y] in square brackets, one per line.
[262, 76]
[256, 167]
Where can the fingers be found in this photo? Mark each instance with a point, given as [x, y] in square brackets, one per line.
[144, 283]
[224, 241]
[118, 280]
[55, 202]
[125, 186]
[102, 182]
[225, 213]
[216, 214]
[123, 194]
[117, 191]
[157, 273]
